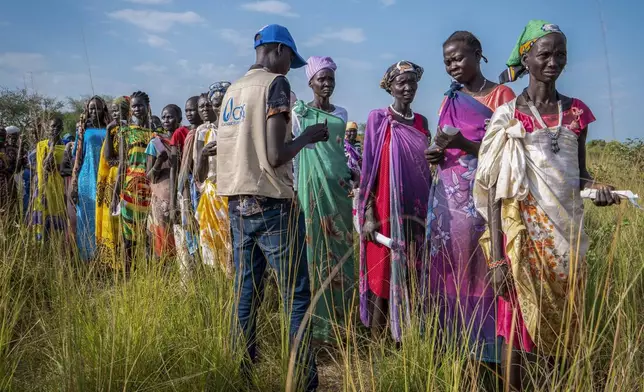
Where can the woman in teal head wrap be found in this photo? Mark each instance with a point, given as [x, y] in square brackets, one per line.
[531, 169]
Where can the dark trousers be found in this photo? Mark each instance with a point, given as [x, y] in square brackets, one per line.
[274, 237]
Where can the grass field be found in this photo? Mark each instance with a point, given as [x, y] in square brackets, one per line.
[65, 327]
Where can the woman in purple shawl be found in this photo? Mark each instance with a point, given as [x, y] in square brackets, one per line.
[394, 189]
[458, 287]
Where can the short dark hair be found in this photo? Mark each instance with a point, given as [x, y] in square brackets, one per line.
[467, 38]
[175, 108]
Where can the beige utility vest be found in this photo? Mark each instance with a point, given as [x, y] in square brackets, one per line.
[242, 163]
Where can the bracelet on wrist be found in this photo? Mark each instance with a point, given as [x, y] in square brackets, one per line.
[497, 263]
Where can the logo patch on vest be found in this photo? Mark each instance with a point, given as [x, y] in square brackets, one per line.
[233, 113]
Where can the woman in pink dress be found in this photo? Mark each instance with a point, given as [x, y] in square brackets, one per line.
[458, 284]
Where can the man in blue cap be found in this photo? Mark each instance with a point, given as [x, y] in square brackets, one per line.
[255, 151]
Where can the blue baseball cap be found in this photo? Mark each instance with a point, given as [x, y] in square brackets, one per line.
[276, 34]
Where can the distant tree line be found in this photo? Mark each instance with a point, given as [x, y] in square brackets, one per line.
[31, 111]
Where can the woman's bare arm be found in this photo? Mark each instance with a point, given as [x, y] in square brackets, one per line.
[150, 171]
[174, 163]
[499, 274]
[202, 167]
[584, 176]
[109, 153]
[120, 174]
[495, 226]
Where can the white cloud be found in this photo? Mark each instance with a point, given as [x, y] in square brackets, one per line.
[21, 61]
[243, 42]
[213, 72]
[157, 42]
[387, 3]
[207, 73]
[149, 2]
[270, 7]
[149, 68]
[113, 33]
[359, 65]
[183, 63]
[235, 37]
[354, 35]
[156, 21]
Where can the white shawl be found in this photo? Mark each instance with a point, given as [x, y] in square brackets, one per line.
[518, 163]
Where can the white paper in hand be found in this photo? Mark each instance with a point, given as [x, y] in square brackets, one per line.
[450, 130]
[632, 197]
[116, 210]
[297, 130]
[381, 239]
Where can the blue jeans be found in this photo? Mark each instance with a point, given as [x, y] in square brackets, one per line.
[273, 237]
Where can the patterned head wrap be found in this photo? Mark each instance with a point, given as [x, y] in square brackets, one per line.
[398, 69]
[534, 30]
[218, 88]
[122, 102]
[316, 64]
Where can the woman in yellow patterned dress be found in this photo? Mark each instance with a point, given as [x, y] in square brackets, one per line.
[107, 225]
[212, 211]
[48, 198]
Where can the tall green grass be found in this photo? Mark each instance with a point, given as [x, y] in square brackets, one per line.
[68, 326]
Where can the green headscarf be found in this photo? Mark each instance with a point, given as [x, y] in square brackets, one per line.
[534, 30]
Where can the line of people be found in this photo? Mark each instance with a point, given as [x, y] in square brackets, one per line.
[480, 216]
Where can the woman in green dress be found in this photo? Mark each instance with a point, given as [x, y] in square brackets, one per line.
[132, 184]
[323, 192]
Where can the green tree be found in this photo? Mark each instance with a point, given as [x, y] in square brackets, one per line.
[29, 111]
[597, 143]
[69, 122]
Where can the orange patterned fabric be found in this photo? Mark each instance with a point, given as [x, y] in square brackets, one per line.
[497, 97]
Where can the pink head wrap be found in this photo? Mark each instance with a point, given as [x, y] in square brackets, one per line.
[316, 63]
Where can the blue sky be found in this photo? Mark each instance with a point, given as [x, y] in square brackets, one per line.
[173, 49]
